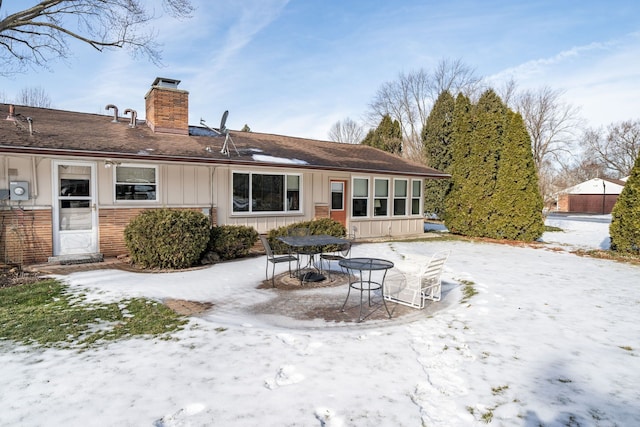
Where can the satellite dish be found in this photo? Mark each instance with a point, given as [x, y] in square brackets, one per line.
[223, 128]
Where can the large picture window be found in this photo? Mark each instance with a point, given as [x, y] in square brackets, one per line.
[416, 196]
[400, 197]
[136, 182]
[360, 197]
[256, 192]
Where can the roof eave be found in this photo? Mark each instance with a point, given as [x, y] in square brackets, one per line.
[205, 160]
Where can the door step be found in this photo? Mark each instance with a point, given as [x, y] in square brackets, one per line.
[76, 259]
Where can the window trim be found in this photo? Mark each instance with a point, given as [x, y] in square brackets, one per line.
[140, 166]
[285, 211]
[420, 197]
[387, 198]
[366, 198]
[406, 197]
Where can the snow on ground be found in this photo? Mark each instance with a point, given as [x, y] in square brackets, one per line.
[551, 339]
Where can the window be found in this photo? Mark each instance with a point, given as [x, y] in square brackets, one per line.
[400, 197]
[416, 196]
[360, 198]
[380, 197]
[255, 192]
[136, 183]
[337, 196]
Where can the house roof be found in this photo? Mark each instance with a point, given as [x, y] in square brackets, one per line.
[596, 186]
[66, 133]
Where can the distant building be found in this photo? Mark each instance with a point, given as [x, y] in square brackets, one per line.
[595, 196]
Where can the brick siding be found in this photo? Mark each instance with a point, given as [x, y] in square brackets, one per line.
[25, 236]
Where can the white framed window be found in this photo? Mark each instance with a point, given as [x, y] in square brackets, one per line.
[136, 182]
[400, 194]
[360, 197]
[266, 192]
[416, 197]
[380, 197]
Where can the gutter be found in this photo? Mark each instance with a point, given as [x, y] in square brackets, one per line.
[204, 160]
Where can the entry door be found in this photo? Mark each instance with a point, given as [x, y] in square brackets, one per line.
[75, 220]
[338, 208]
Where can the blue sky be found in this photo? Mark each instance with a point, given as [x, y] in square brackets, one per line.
[296, 67]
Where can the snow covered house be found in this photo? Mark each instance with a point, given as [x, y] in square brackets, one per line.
[595, 196]
[70, 182]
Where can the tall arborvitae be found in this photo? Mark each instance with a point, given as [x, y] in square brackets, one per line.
[437, 136]
[625, 217]
[387, 136]
[457, 205]
[494, 189]
[482, 163]
[517, 203]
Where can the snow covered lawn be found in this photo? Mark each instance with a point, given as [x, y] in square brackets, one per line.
[550, 339]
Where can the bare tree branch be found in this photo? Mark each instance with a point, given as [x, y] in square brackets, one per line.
[410, 97]
[552, 125]
[346, 131]
[33, 97]
[37, 34]
[617, 149]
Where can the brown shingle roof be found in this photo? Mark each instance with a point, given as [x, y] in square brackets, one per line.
[59, 132]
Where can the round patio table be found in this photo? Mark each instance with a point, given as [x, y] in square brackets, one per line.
[364, 267]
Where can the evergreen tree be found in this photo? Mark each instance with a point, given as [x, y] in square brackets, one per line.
[457, 205]
[437, 137]
[494, 189]
[480, 165]
[387, 136]
[485, 149]
[625, 217]
[517, 202]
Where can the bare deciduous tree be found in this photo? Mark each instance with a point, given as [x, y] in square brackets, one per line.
[552, 124]
[409, 99]
[346, 131]
[33, 97]
[41, 32]
[617, 149]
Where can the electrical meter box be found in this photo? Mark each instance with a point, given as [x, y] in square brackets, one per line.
[19, 190]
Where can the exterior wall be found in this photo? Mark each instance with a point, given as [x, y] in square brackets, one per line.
[316, 204]
[112, 224]
[206, 188]
[26, 229]
[588, 203]
[25, 236]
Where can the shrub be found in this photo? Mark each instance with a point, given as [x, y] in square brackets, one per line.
[167, 238]
[232, 241]
[316, 226]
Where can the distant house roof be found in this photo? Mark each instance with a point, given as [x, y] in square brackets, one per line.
[596, 186]
[56, 132]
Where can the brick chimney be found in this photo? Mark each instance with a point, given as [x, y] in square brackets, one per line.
[167, 107]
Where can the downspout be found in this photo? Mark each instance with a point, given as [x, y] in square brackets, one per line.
[6, 170]
[213, 192]
[34, 178]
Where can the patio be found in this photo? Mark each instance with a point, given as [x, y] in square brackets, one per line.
[306, 304]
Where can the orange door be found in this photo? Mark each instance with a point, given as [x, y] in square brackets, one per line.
[338, 208]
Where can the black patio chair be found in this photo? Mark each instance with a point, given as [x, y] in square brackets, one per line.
[275, 259]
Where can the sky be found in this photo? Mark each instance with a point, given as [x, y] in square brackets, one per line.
[296, 67]
[550, 338]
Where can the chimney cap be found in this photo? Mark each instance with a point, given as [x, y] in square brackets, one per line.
[166, 82]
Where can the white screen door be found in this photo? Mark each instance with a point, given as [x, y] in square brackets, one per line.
[74, 209]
